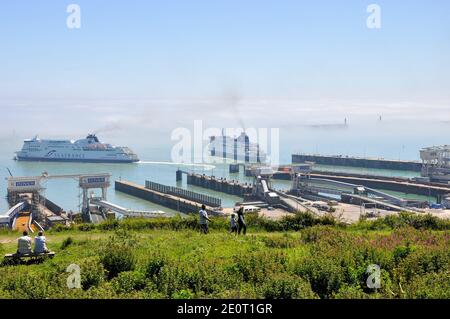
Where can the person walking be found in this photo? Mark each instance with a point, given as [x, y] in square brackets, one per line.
[204, 219]
[241, 221]
[233, 224]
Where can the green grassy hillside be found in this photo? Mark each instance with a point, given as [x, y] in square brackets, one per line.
[297, 257]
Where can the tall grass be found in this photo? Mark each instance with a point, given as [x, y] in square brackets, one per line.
[296, 257]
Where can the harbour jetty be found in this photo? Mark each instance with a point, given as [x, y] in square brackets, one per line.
[172, 197]
[407, 187]
[222, 185]
[339, 160]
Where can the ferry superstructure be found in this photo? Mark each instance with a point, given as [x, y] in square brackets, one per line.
[239, 149]
[88, 149]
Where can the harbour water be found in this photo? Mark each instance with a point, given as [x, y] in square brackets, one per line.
[156, 166]
[147, 127]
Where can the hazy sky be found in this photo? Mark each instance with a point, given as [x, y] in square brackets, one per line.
[207, 48]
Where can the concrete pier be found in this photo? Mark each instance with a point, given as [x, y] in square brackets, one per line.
[219, 184]
[398, 184]
[392, 185]
[183, 193]
[358, 162]
[171, 201]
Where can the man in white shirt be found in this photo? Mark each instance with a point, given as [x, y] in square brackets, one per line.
[40, 245]
[24, 244]
[204, 219]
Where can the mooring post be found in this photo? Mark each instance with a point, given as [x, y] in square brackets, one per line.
[179, 175]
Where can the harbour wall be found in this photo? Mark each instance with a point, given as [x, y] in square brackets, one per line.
[167, 200]
[392, 185]
[222, 185]
[358, 162]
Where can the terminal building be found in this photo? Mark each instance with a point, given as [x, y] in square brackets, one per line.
[436, 163]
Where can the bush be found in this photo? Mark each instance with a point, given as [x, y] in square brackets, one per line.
[66, 243]
[401, 252]
[155, 265]
[298, 221]
[325, 234]
[92, 273]
[433, 285]
[183, 294]
[254, 267]
[253, 220]
[423, 261]
[24, 285]
[60, 228]
[324, 275]
[128, 281]
[284, 241]
[351, 292]
[118, 255]
[109, 225]
[404, 219]
[86, 227]
[287, 287]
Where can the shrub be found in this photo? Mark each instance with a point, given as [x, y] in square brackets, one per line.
[117, 259]
[92, 273]
[433, 285]
[86, 227]
[325, 234]
[66, 243]
[423, 261]
[109, 225]
[155, 264]
[351, 292]
[284, 241]
[253, 220]
[118, 255]
[183, 294]
[324, 275]
[401, 252]
[284, 286]
[404, 219]
[254, 267]
[24, 285]
[129, 281]
[60, 228]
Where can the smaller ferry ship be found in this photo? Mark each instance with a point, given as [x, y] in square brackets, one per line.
[239, 149]
[88, 149]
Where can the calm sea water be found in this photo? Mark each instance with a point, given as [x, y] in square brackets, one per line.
[154, 149]
[392, 130]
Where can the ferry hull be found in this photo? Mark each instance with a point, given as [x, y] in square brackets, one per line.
[40, 159]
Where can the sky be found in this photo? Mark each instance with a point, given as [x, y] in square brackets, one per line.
[137, 70]
[145, 68]
[197, 49]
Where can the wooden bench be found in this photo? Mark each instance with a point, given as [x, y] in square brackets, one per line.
[17, 258]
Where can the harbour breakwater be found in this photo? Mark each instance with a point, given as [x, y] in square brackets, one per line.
[337, 160]
[222, 185]
[171, 201]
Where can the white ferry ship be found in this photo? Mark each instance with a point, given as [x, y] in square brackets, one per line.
[89, 149]
[239, 149]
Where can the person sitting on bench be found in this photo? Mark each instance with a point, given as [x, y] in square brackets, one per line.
[40, 246]
[24, 242]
